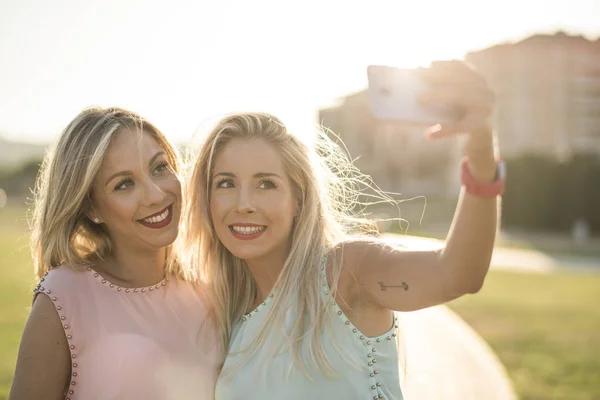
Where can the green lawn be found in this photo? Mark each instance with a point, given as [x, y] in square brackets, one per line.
[544, 328]
[16, 283]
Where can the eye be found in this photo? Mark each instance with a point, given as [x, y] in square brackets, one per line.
[224, 183]
[267, 184]
[160, 168]
[124, 184]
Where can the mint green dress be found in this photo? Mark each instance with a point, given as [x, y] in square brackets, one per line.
[366, 368]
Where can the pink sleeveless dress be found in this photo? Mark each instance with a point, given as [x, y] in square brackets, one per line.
[134, 343]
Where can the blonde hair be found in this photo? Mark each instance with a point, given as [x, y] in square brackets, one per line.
[325, 185]
[61, 231]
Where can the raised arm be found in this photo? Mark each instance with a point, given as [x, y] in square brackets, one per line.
[404, 280]
[44, 362]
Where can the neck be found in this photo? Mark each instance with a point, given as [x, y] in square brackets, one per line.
[265, 271]
[136, 268]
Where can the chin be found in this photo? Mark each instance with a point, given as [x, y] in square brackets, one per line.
[165, 239]
[242, 255]
[246, 254]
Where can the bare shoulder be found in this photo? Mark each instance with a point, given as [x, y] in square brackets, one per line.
[348, 258]
[43, 314]
[43, 363]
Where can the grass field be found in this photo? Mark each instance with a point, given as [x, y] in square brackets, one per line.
[544, 328]
[16, 283]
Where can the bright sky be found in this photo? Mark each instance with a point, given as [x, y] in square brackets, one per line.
[183, 63]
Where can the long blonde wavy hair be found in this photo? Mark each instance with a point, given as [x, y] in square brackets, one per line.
[326, 186]
[62, 233]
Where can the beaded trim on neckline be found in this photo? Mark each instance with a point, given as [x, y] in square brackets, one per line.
[258, 308]
[118, 288]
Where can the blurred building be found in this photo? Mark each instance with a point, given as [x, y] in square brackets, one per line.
[397, 155]
[547, 93]
[548, 101]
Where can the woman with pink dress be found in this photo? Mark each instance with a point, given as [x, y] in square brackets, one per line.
[115, 315]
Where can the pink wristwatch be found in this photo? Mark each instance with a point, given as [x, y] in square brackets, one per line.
[483, 189]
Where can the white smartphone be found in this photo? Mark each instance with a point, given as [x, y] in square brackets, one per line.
[393, 95]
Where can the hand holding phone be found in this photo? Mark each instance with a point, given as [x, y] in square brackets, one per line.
[394, 95]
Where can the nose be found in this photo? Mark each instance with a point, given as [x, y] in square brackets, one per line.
[245, 204]
[154, 194]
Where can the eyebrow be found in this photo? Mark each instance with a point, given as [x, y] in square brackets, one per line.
[127, 173]
[257, 175]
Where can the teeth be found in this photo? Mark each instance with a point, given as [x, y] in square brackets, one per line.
[157, 219]
[247, 230]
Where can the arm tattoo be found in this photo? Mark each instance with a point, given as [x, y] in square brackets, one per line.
[384, 287]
